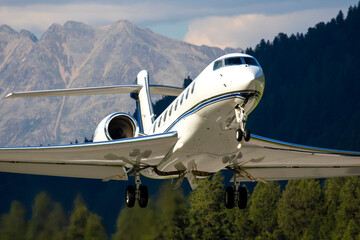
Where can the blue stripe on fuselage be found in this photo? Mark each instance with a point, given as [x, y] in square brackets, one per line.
[202, 105]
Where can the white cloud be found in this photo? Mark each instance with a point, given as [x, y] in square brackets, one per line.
[40, 17]
[247, 30]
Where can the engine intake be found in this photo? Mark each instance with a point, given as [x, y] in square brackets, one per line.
[116, 126]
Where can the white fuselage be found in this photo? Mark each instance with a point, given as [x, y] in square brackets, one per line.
[204, 115]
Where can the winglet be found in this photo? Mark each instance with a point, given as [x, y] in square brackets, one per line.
[10, 95]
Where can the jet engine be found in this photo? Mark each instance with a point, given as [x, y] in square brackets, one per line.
[116, 126]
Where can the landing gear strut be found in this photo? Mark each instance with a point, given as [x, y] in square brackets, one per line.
[236, 194]
[139, 193]
[241, 119]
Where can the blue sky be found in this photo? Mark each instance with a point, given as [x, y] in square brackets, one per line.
[226, 23]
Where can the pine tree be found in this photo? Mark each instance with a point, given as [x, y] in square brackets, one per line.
[48, 220]
[84, 224]
[172, 213]
[349, 208]
[13, 225]
[263, 207]
[57, 222]
[136, 223]
[239, 226]
[301, 201]
[332, 190]
[94, 229]
[207, 212]
[40, 213]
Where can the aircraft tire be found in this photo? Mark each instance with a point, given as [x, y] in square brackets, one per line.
[243, 198]
[239, 135]
[247, 135]
[144, 196]
[130, 196]
[229, 197]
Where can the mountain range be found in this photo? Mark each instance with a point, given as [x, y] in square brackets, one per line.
[80, 55]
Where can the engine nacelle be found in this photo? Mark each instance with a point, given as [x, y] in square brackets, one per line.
[116, 126]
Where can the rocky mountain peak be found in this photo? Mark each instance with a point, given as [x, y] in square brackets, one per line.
[7, 29]
[28, 34]
[79, 55]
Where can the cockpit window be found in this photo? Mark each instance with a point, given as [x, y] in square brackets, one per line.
[251, 61]
[218, 64]
[233, 61]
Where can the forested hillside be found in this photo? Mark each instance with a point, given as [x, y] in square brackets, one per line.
[312, 85]
[306, 209]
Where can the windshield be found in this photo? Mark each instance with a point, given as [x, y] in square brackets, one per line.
[251, 61]
[232, 61]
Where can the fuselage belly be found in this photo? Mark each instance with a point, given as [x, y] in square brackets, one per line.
[204, 117]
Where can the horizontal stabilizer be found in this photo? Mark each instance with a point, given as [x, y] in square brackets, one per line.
[165, 90]
[154, 89]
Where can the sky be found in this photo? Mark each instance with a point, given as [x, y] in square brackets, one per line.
[221, 23]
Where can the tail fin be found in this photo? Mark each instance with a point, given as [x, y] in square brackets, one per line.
[144, 102]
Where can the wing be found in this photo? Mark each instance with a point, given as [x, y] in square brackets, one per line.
[154, 89]
[102, 160]
[276, 160]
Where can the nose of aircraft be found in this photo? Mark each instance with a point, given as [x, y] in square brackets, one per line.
[254, 78]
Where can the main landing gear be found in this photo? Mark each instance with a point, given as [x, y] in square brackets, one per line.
[236, 194]
[241, 133]
[139, 193]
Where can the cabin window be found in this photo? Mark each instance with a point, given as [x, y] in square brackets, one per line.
[251, 61]
[154, 128]
[187, 93]
[170, 110]
[182, 98]
[159, 122]
[218, 64]
[165, 116]
[233, 61]
[193, 87]
[176, 104]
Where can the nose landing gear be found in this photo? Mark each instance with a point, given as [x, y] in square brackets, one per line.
[241, 133]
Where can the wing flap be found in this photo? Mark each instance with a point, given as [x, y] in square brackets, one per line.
[92, 160]
[276, 160]
[66, 170]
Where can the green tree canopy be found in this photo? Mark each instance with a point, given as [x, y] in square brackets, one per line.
[48, 220]
[136, 223]
[207, 214]
[13, 225]
[301, 201]
[84, 224]
[263, 207]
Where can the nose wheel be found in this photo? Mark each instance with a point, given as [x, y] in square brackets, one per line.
[241, 133]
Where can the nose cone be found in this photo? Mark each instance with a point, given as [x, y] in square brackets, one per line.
[253, 79]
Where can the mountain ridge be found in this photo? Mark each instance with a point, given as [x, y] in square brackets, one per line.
[79, 55]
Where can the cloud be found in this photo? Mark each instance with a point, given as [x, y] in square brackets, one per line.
[40, 17]
[247, 30]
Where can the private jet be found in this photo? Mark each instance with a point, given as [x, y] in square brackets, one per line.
[201, 132]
